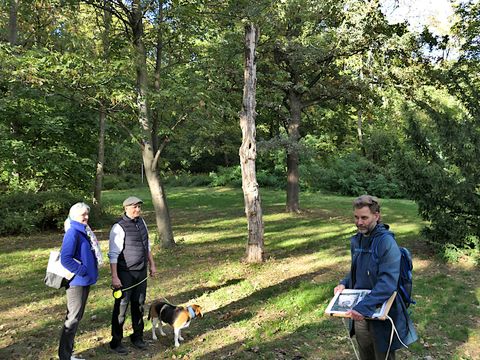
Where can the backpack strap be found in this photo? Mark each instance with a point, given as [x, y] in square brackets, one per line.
[404, 256]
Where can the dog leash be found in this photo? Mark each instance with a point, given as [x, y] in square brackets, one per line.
[118, 293]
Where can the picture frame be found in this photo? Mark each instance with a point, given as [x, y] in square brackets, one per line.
[345, 300]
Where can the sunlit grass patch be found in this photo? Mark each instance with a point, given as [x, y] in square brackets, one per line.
[272, 310]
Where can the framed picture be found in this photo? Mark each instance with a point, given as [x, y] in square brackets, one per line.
[348, 298]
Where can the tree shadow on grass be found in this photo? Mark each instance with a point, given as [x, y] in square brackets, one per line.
[246, 307]
[40, 241]
[323, 339]
[293, 346]
[187, 296]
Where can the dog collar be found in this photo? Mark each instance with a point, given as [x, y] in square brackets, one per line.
[191, 312]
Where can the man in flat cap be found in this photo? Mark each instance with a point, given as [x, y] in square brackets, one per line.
[129, 253]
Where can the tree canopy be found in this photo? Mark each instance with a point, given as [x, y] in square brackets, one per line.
[346, 101]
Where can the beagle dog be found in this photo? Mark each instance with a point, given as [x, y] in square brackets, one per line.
[178, 317]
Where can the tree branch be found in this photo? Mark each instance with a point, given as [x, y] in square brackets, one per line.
[166, 139]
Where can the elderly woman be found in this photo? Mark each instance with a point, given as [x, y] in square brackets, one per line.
[80, 255]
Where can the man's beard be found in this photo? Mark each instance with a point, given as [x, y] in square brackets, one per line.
[367, 230]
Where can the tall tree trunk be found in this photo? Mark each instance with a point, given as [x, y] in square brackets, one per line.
[102, 116]
[150, 158]
[12, 23]
[360, 115]
[97, 193]
[156, 117]
[293, 187]
[360, 131]
[248, 151]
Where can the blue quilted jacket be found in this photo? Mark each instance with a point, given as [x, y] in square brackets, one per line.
[78, 257]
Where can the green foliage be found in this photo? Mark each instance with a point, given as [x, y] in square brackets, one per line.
[31, 212]
[270, 179]
[442, 172]
[231, 176]
[122, 181]
[186, 179]
[352, 175]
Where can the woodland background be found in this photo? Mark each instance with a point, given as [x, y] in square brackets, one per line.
[99, 95]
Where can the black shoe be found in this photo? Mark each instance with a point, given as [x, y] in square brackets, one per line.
[139, 344]
[119, 349]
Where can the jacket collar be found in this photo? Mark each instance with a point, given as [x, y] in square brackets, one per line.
[126, 218]
[379, 229]
[78, 226]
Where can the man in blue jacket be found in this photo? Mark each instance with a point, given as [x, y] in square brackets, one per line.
[379, 273]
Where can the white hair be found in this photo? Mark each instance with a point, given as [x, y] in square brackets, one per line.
[76, 210]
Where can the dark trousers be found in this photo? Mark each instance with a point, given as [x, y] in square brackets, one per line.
[136, 298]
[76, 301]
[366, 342]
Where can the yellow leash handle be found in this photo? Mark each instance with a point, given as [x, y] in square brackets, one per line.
[118, 293]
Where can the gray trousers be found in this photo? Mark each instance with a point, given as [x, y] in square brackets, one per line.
[76, 301]
[366, 342]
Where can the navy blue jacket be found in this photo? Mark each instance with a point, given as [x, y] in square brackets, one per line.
[379, 274]
[76, 245]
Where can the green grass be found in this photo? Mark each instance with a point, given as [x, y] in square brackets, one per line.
[272, 310]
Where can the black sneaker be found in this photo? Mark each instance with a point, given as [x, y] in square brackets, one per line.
[139, 344]
[119, 349]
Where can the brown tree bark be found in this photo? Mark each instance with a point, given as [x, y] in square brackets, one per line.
[248, 152]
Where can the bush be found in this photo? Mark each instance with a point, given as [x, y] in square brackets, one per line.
[272, 180]
[121, 181]
[186, 179]
[30, 212]
[351, 175]
[227, 176]
[440, 166]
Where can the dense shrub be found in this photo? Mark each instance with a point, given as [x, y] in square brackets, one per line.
[186, 179]
[227, 176]
[271, 179]
[441, 167]
[351, 175]
[30, 212]
[122, 181]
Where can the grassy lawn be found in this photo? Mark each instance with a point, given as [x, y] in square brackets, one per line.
[268, 311]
